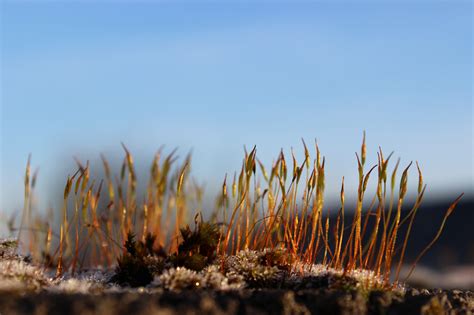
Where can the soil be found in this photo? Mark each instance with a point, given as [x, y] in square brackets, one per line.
[266, 301]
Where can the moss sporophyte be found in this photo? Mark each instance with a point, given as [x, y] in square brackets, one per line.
[268, 228]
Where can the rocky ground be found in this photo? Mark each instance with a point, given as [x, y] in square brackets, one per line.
[266, 301]
[248, 287]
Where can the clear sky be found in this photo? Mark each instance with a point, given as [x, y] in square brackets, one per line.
[77, 79]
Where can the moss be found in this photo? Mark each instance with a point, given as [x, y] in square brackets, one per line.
[209, 278]
[139, 262]
[198, 248]
[8, 243]
[180, 279]
[249, 265]
[132, 271]
[277, 257]
[8, 248]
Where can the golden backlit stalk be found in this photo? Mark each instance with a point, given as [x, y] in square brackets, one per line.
[232, 218]
[438, 234]
[340, 237]
[26, 201]
[412, 215]
[59, 268]
[380, 194]
[396, 223]
[386, 221]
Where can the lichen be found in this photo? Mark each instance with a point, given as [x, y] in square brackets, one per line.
[209, 278]
[248, 264]
[180, 278]
[20, 275]
[214, 279]
[142, 265]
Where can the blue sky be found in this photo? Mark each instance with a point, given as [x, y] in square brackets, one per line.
[77, 79]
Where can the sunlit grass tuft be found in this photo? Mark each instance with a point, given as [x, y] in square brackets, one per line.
[108, 220]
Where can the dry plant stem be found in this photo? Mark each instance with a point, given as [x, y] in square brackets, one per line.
[32, 238]
[64, 226]
[339, 241]
[386, 221]
[405, 242]
[373, 238]
[367, 215]
[390, 247]
[47, 247]
[59, 268]
[438, 234]
[362, 185]
[380, 195]
[232, 218]
[26, 201]
[392, 199]
[352, 240]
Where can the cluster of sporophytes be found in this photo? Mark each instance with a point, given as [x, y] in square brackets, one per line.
[108, 223]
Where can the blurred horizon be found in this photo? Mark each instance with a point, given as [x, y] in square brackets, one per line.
[77, 79]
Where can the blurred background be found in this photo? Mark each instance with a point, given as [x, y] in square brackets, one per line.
[79, 78]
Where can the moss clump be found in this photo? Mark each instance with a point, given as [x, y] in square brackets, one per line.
[8, 248]
[254, 267]
[198, 248]
[8, 243]
[141, 261]
[277, 257]
[138, 263]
